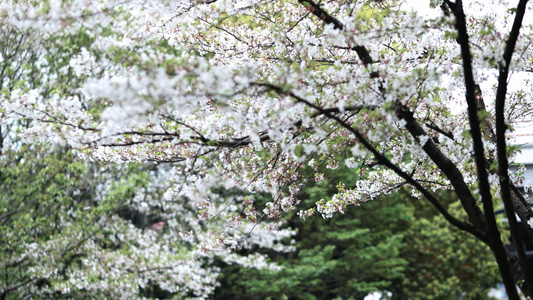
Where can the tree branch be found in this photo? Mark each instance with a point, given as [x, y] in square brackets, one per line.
[446, 166]
[496, 243]
[451, 171]
[12, 288]
[503, 163]
[319, 12]
[383, 160]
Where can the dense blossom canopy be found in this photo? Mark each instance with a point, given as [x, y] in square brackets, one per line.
[255, 97]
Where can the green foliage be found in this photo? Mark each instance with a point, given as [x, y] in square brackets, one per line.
[446, 263]
[397, 245]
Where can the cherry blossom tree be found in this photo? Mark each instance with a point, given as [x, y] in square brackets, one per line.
[247, 95]
[75, 228]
